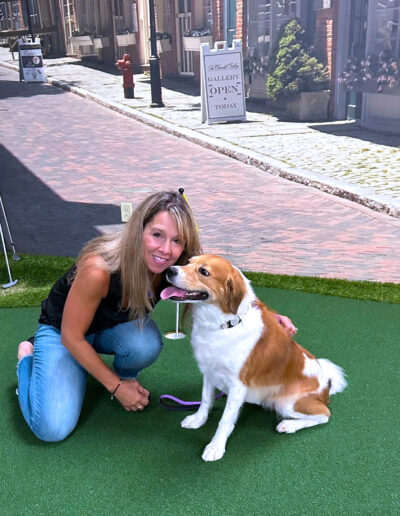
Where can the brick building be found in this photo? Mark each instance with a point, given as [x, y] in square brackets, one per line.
[44, 19]
[338, 29]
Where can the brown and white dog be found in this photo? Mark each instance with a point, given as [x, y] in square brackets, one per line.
[241, 349]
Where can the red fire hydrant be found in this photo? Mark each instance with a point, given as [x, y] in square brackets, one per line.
[125, 65]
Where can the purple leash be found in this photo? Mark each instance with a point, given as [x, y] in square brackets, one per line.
[178, 404]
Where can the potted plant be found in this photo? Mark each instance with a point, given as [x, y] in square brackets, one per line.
[126, 39]
[296, 76]
[375, 73]
[81, 40]
[164, 42]
[193, 38]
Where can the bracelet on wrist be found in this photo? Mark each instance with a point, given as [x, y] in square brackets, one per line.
[115, 390]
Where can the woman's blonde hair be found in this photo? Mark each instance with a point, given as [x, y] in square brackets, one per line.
[123, 251]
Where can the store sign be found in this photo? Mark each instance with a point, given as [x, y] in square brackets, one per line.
[222, 83]
[31, 68]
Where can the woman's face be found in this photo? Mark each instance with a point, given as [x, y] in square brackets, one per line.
[161, 244]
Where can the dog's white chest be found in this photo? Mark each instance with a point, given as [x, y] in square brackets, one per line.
[221, 353]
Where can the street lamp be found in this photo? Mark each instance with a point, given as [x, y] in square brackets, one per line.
[155, 79]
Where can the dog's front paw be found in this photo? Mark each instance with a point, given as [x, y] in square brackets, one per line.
[193, 421]
[287, 426]
[213, 451]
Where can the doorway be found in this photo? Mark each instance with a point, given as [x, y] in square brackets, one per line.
[357, 48]
[144, 30]
[183, 9]
[230, 21]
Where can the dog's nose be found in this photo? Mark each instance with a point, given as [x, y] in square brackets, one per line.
[172, 271]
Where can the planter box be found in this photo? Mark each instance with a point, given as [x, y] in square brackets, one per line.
[192, 43]
[310, 106]
[124, 40]
[101, 42]
[82, 41]
[163, 45]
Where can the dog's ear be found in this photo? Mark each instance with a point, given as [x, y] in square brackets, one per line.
[234, 292]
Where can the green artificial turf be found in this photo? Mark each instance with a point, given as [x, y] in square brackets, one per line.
[36, 275]
[145, 464]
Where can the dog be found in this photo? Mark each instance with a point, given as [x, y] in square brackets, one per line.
[243, 350]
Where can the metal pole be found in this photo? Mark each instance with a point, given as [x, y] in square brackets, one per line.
[15, 257]
[28, 13]
[12, 282]
[177, 321]
[155, 78]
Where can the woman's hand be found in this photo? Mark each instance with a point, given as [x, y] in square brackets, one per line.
[287, 324]
[132, 395]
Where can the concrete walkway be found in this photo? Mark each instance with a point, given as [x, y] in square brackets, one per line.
[337, 157]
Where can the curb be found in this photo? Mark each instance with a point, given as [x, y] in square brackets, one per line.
[363, 196]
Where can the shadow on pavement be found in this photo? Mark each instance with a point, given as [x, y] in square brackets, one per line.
[10, 89]
[95, 65]
[182, 85]
[353, 130]
[41, 222]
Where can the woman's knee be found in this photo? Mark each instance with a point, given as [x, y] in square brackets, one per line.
[147, 344]
[139, 348]
[53, 429]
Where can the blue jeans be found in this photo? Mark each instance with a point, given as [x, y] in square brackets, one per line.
[52, 384]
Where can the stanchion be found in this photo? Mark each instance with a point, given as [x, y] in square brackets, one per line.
[12, 282]
[15, 257]
[177, 334]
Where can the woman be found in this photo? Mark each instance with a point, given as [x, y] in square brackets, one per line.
[102, 305]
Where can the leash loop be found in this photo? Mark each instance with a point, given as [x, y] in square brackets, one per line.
[173, 403]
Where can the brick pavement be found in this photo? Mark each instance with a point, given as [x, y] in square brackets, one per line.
[337, 157]
[67, 163]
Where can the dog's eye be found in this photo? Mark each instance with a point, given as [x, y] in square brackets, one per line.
[203, 271]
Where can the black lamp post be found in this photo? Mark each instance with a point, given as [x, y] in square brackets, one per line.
[28, 15]
[155, 79]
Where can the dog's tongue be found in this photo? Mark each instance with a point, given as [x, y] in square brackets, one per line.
[172, 292]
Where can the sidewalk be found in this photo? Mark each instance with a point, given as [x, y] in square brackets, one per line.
[340, 157]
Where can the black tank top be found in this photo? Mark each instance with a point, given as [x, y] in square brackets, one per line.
[108, 314]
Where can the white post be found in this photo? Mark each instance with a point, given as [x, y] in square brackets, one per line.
[177, 320]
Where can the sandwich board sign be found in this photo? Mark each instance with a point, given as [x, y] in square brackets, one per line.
[31, 68]
[222, 83]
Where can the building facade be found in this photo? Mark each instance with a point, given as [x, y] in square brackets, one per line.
[338, 30]
[44, 16]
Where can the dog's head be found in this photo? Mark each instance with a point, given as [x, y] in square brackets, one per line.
[207, 278]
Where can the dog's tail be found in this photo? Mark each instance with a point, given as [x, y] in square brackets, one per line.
[334, 374]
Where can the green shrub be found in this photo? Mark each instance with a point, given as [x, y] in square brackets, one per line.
[291, 68]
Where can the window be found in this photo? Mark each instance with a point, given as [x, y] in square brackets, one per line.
[119, 15]
[167, 14]
[265, 18]
[208, 18]
[386, 27]
[285, 10]
[259, 27]
[69, 17]
[34, 11]
[10, 17]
